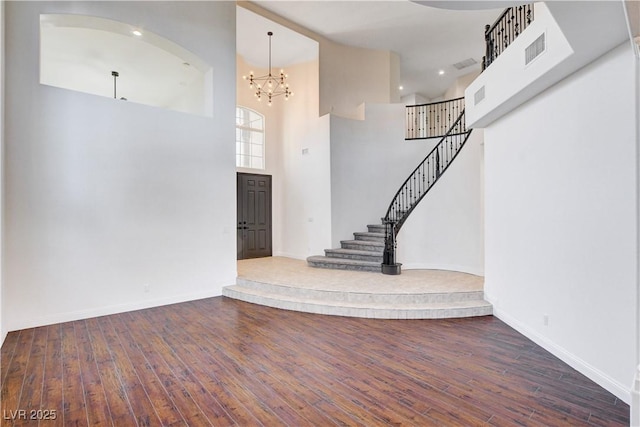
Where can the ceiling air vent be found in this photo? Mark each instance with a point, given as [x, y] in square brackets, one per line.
[464, 64]
[478, 96]
[534, 49]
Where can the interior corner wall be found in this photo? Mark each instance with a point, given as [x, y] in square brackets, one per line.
[457, 89]
[350, 76]
[112, 206]
[306, 193]
[561, 220]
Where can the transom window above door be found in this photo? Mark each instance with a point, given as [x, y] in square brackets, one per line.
[249, 139]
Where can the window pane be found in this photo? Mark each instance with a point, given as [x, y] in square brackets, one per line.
[256, 137]
[256, 162]
[255, 120]
[256, 150]
[249, 138]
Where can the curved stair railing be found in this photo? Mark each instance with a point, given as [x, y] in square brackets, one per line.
[431, 120]
[417, 185]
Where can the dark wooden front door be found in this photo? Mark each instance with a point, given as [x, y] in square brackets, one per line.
[254, 216]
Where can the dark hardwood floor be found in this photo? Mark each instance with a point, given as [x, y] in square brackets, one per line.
[223, 362]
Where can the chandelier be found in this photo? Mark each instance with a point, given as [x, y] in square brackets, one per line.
[269, 86]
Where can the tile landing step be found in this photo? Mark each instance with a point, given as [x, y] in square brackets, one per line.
[366, 309]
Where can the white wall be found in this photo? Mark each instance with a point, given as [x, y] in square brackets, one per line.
[350, 76]
[104, 197]
[446, 230]
[576, 33]
[460, 85]
[306, 194]
[370, 160]
[560, 196]
[3, 329]
[413, 99]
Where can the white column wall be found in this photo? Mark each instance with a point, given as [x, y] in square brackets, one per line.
[306, 197]
[109, 205]
[3, 330]
[561, 218]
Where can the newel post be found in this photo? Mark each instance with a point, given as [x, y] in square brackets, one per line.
[389, 265]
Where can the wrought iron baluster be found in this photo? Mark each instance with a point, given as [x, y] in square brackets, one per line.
[511, 23]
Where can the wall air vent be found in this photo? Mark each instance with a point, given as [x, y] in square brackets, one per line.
[478, 96]
[534, 49]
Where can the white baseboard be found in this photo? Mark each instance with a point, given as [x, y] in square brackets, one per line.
[619, 390]
[112, 309]
[446, 267]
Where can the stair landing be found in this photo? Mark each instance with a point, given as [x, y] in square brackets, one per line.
[416, 294]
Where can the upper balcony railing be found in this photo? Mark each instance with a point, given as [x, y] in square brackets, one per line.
[432, 120]
[507, 27]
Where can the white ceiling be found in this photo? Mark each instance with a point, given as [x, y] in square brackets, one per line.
[427, 39]
[287, 46]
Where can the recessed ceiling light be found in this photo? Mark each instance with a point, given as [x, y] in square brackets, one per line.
[136, 33]
[400, 87]
[441, 72]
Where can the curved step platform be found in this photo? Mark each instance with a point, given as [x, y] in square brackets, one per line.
[417, 294]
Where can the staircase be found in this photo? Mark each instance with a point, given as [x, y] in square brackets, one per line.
[363, 253]
[375, 250]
